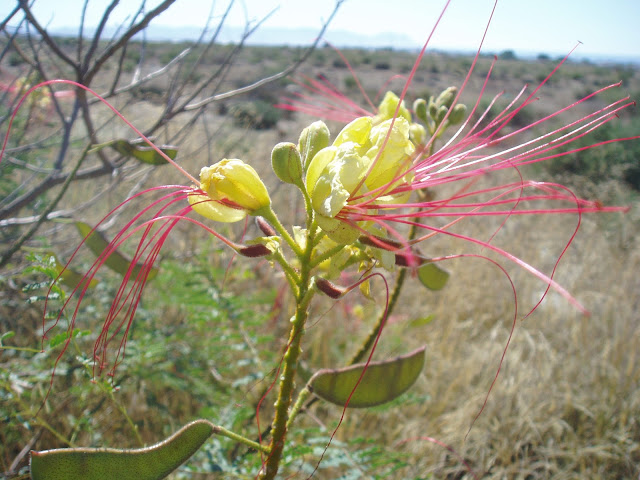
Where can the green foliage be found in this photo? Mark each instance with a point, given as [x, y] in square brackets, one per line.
[382, 66]
[257, 114]
[350, 83]
[613, 161]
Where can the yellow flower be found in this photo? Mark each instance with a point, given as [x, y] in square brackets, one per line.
[233, 190]
[357, 159]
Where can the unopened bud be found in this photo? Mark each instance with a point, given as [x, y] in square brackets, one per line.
[432, 108]
[420, 109]
[447, 97]
[329, 289]
[229, 190]
[254, 251]
[458, 114]
[287, 163]
[313, 139]
[264, 226]
[417, 133]
[442, 111]
[380, 242]
[409, 259]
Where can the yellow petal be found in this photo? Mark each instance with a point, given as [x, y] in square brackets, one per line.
[357, 131]
[338, 231]
[236, 181]
[213, 210]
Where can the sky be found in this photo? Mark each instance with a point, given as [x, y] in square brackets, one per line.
[605, 28]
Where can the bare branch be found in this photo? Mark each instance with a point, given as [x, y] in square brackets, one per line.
[98, 34]
[45, 36]
[125, 38]
[8, 18]
[272, 78]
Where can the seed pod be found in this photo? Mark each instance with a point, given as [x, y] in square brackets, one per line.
[150, 463]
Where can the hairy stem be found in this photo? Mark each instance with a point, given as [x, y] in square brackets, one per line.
[290, 360]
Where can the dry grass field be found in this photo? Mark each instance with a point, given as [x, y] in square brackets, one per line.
[565, 405]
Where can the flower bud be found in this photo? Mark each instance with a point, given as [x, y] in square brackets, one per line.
[420, 108]
[432, 108]
[417, 133]
[287, 163]
[442, 111]
[389, 105]
[233, 189]
[313, 139]
[264, 226]
[329, 289]
[447, 97]
[457, 114]
[254, 251]
[260, 247]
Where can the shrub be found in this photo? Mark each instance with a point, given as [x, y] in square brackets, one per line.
[258, 115]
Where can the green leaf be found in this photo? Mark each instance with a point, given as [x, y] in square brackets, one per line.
[142, 151]
[421, 322]
[432, 276]
[62, 337]
[58, 339]
[69, 277]
[117, 262]
[381, 382]
[7, 336]
[150, 463]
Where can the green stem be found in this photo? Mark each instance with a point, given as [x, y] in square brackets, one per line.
[290, 360]
[279, 430]
[270, 216]
[290, 272]
[302, 397]
[240, 439]
[328, 254]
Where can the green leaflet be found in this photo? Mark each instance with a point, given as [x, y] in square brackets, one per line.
[432, 276]
[381, 382]
[117, 262]
[143, 152]
[150, 463]
[69, 277]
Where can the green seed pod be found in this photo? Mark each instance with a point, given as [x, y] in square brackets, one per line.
[287, 163]
[150, 463]
[458, 114]
[447, 97]
[313, 139]
[420, 108]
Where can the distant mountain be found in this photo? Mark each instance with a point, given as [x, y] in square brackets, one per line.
[270, 36]
[267, 36]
